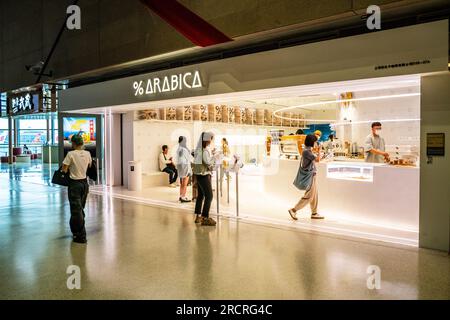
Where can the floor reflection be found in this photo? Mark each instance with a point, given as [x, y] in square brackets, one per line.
[137, 251]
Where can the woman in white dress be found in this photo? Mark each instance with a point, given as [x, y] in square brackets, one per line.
[183, 162]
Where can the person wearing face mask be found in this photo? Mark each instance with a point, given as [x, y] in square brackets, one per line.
[374, 146]
[318, 146]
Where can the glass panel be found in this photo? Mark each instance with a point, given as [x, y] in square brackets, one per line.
[4, 123]
[33, 124]
[3, 136]
[32, 137]
[55, 136]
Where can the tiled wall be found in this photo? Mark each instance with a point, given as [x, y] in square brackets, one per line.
[394, 133]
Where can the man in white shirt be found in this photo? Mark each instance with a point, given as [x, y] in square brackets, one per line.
[374, 146]
[166, 165]
[76, 163]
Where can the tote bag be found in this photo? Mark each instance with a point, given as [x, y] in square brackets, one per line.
[91, 171]
[60, 178]
[304, 178]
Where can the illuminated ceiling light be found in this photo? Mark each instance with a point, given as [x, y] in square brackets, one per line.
[276, 113]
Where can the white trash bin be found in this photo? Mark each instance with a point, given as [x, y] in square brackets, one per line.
[134, 175]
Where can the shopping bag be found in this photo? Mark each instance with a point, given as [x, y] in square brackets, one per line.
[303, 180]
[92, 171]
[61, 178]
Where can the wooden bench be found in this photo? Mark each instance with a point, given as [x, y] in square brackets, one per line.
[155, 179]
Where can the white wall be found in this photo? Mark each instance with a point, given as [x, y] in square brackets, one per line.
[151, 135]
[112, 136]
[127, 143]
[434, 224]
[394, 133]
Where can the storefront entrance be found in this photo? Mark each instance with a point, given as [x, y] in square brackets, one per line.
[357, 198]
[265, 104]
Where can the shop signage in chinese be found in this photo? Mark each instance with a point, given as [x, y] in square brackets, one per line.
[170, 83]
[24, 104]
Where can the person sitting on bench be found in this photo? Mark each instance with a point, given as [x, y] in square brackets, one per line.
[166, 165]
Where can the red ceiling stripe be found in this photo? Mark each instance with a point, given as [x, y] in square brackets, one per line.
[193, 27]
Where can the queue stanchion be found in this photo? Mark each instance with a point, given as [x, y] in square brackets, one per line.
[217, 191]
[221, 182]
[237, 193]
[228, 187]
[98, 172]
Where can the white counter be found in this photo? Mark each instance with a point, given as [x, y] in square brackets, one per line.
[389, 196]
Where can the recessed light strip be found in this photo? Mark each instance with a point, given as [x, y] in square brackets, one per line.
[276, 113]
[372, 121]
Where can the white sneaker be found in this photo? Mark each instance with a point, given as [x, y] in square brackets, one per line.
[173, 185]
[293, 214]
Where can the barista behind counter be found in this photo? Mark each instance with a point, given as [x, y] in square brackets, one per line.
[375, 147]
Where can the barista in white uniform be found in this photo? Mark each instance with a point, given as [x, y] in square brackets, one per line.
[374, 146]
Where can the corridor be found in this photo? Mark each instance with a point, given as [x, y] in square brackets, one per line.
[137, 251]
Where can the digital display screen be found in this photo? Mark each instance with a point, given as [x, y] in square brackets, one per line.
[84, 126]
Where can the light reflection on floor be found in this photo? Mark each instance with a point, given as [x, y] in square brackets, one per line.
[141, 252]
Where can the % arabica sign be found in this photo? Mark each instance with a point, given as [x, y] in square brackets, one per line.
[170, 83]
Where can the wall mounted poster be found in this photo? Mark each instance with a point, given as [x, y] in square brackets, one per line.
[86, 127]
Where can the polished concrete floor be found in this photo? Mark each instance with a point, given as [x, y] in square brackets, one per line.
[137, 251]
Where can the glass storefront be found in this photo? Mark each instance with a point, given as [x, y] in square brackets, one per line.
[260, 108]
[4, 138]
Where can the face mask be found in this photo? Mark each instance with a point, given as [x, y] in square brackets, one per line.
[378, 132]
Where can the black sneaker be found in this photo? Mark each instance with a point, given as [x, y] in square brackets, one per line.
[79, 240]
[208, 222]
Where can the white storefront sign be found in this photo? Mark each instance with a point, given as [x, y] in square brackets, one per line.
[171, 83]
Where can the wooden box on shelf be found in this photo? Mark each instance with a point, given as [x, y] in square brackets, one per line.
[302, 122]
[171, 113]
[224, 113]
[260, 117]
[150, 114]
[162, 113]
[237, 115]
[250, 115]
[211, 113]
[286, 119]
[277, 121]
[295, 120]
[196, 113]
[217, 113]
[268, 117]
[188, 113]
[179, 113]
[230, 111]
[203, 113]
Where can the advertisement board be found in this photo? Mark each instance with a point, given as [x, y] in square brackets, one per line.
[84, 126]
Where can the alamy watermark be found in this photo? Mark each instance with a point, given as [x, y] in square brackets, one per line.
[74, 279]
[374, 17]
[73, 21]
[374, 279]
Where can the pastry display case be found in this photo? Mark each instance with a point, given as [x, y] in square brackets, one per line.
[403, 155]
[292, 146]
